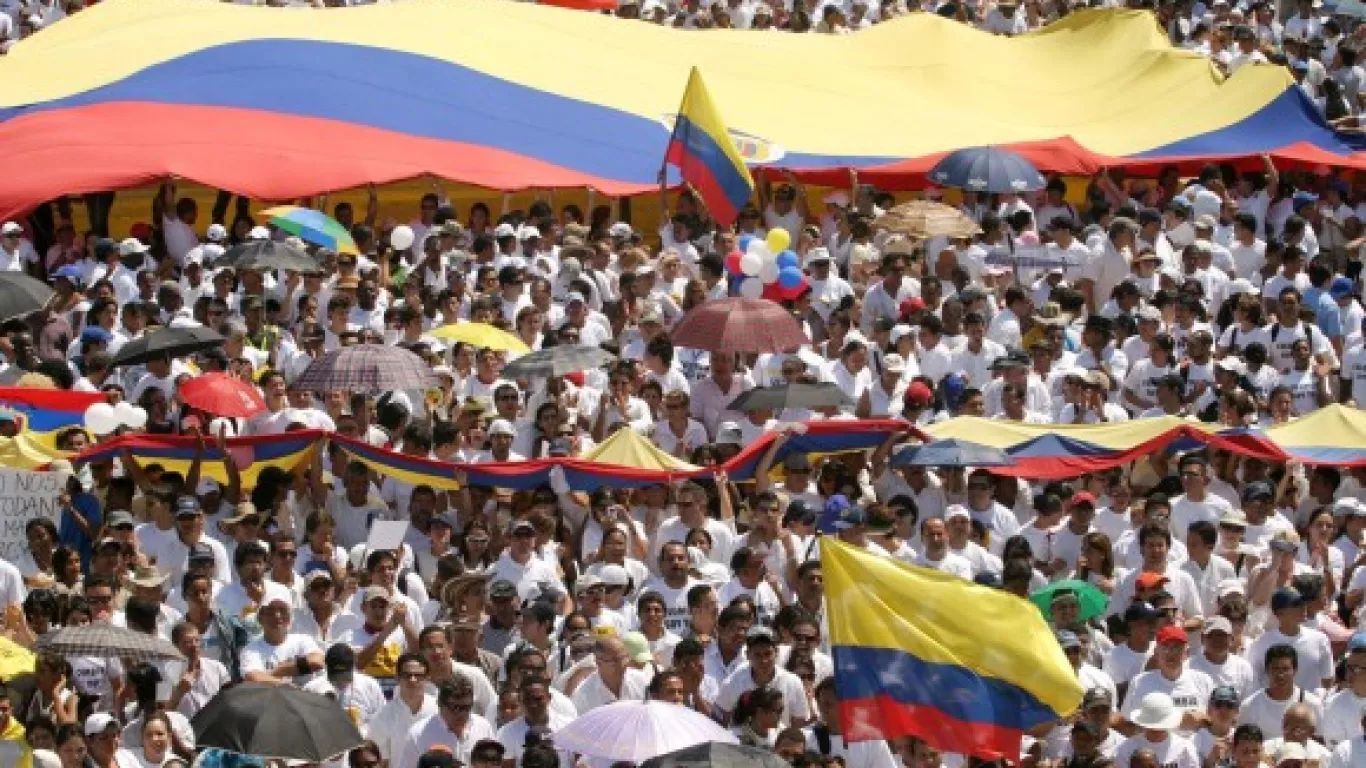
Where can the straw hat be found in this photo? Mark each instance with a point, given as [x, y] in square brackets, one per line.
[1156, 712]
[924, 219]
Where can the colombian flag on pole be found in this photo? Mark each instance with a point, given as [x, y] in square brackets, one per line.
[704, 154]
[920, 653]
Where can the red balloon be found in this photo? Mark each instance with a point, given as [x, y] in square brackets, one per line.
[773, 292]
[792, 293]
[733, 262]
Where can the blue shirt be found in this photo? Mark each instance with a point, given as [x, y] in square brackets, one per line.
[88, 505]
[1327, 315]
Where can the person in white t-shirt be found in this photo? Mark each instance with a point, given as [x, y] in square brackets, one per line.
[1185, 688]
[1158, 717]
[278, 657]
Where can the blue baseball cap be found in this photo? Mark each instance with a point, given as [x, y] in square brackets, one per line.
[833, 513]
[69, 272]
[1302, 199]
[94, 333]
[1357, 643]
[1340, 287]
[1284, 598]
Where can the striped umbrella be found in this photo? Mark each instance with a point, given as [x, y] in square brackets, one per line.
[312, 226]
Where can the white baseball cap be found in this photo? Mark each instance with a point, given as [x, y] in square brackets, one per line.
[217, 233]
[11, 228]
[131, 247]
[502, 427]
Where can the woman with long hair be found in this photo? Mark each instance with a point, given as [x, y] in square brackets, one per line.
[1096, 565]
[758, 716]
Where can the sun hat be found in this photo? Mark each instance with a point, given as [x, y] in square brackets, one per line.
[1156, 712]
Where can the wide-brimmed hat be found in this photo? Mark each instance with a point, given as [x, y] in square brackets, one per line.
[1156, 712]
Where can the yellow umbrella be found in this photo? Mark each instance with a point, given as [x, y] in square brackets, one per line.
[15, 659]
[626, 448]
[481, 335]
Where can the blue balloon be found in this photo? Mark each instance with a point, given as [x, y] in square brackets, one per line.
[788, 259]
[744, 242]
[790, 277]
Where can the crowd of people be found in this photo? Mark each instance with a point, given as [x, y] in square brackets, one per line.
[1232, 629]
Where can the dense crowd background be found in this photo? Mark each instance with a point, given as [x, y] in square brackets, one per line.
[1233, 588]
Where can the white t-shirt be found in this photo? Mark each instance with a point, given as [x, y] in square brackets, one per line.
[1172, 752]
[1189, 691]
[1342, 717]
[1267, 713]
[427, 733]
[795, 704]
[1314, 654]
[261, 656]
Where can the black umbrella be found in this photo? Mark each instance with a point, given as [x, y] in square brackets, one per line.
[267, 254]
[951, 452]
[21, 294]
[276, 721]
[171, 342]
[791, 396]
[557, 361]
[717, 754]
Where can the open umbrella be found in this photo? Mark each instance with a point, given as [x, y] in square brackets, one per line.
[636, 731]
[276, 721]
[795, 395]
[267, 254]
[222, 395]
[1092, 601]
[739, 325]
[951, 452]
[557, 361]
[987, 169]
[923, 219]
[171, 342]
[21, 294]
[311, 226]
[107, 641]
[715, 754]
[366, 368]
[481, 336]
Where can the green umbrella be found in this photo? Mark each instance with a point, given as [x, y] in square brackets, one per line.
[1092, 600]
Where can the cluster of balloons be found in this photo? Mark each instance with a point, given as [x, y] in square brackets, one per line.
[103, 418]
[765, 267]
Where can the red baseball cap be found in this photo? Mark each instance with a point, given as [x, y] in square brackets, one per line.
[1150, 580]
[1171, 634]
[1082, 497]
[917, 394]
[912, 305]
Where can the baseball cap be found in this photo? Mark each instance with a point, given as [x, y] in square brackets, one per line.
[375, 592]
[614, 576]
[95, 334]
[69, 272]
[954, 511]
[586, 582]
[1171, 634]
[1141, 610]
[1225, 694]
[202, 553]
[1340, 287]
[99, 723]
[187, 506]
[119, 518]
[799, 510]
[503, 589]
[438, 756]
[207, 486]
[131, 246]
[340, 661]
[1357, 643]
[759, 634]
[1259, 490]
[1096, 697]
[1068, 639]
[918, 394]
[502, 427]
[729, 433]
[11, 228]
[574, 297]
[1082, 497]
[1150, 580]
[1229, 587]
[1216, 624]
[1284, 598]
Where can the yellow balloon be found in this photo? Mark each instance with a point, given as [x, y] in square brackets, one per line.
[778, 240]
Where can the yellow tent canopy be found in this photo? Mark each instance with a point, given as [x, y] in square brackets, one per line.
[627, 448]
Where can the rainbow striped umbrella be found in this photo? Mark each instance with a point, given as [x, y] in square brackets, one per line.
[312, 226]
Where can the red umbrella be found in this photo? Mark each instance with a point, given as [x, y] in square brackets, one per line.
[739, 325]
[222, 395]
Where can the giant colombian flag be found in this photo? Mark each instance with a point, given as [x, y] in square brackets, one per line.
[917, 652]
[282, 103]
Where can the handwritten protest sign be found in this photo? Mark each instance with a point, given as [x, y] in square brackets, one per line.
[25, 495]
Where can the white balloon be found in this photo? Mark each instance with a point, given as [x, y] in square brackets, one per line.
[402, 237]
[137, 419]
[751, 288]
[751, 263]
[100, 419]
[768, 272]
[123, 413]
[758, 247]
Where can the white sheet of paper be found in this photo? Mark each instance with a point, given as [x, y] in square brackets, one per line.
[386, 535]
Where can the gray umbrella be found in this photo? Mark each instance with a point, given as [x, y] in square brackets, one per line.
[267, 254]
[951, 452]
[21, 294]
[167, 342]
[796, 395]
[557, 361]
[366, 368]
[716, 754]
[108, 642]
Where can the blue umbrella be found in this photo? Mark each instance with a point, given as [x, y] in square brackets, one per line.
[951, 452]
[987, 169]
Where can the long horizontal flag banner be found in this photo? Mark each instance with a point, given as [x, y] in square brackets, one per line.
[967, 668]
[286, 105]
[176, 453]
[48, 411]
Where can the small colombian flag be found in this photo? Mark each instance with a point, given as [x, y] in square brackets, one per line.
[921, 653]
[702, 150]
